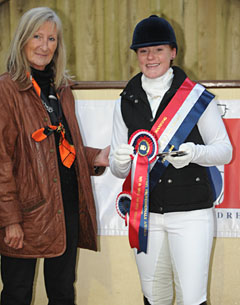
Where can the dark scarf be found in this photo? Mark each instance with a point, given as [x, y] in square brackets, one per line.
[44, 80]
[68, 177]
[43, 85]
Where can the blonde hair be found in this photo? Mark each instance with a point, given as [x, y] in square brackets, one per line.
[17, 64]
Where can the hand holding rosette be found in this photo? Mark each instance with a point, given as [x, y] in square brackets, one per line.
[134, 198]
[122, 156]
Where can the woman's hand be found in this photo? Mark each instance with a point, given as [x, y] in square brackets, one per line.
[102, 157]
[14, 236]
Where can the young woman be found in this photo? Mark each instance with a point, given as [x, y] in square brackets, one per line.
[161, 110]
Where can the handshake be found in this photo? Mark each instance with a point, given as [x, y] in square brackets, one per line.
[122, 156]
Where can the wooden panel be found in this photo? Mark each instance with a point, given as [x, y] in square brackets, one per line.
[123, 42]
[85, 40]
[188, 39]
[66, 10]
[19, 7]
[222, 10]
[232, 39]
[111, 37]
[4, 35]
[98, 35]
[206, 39]
[99, 62]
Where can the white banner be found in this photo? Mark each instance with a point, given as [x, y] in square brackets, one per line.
[94, 110]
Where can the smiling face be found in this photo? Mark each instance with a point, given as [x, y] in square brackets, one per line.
[40, 48]
[154, 61]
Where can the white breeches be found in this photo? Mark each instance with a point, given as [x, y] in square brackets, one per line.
[179, 249]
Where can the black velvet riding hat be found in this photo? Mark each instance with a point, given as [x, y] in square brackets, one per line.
[153, 31]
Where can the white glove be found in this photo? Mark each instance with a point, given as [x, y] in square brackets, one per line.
[181, 161]
[122, 156]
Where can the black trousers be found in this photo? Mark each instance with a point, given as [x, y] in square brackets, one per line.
[59, 273]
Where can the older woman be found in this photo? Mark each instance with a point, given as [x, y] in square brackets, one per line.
[162, 111]
[46, 202]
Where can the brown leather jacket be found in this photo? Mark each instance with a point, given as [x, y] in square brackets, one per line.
[30, 191]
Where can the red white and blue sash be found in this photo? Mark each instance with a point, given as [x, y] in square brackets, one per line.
[170, 130]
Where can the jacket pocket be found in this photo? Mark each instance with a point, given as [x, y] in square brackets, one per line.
[31, 205]
[189, 185]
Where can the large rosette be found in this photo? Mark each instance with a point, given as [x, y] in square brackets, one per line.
[145, 143]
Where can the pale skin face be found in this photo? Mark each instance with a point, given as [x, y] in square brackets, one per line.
[154, 61]
[40, 48]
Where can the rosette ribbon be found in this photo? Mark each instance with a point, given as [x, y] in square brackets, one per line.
[145, 152]
[136, 202]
